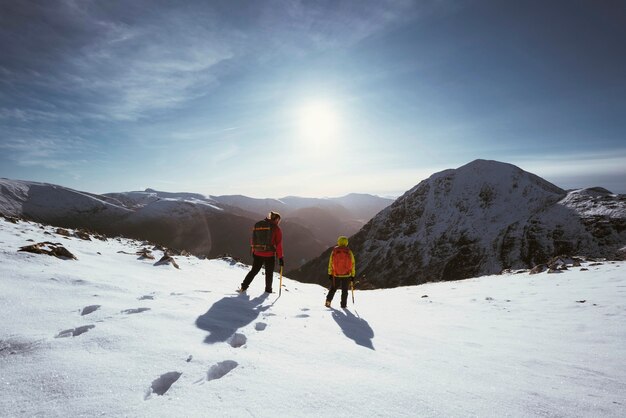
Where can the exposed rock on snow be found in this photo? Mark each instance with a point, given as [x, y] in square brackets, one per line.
[167, 259]
[145, 253]
[63, 232]
[49, 248]
[79, 233]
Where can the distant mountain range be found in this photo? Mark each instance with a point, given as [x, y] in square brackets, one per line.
[203, 225]
[480, 219]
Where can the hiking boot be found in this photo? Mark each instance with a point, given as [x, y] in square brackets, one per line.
[343, 306]
[327, 304]
[268, 291]
[242, 290]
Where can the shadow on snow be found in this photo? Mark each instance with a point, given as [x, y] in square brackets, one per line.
[229, 314]
[354, 327]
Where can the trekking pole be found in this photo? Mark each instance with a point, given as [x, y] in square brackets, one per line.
[280, 287]
[352, 286]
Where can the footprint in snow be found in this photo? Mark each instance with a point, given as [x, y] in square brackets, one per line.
[260, 326]
[12, 347]
[146, 297]
[237, 340]
[162, 384]
[303, 315]
[74, 332]
[221, 369]
[134, 311]
[89, 309]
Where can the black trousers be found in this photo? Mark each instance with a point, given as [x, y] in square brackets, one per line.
[334, 285]
[257, 263]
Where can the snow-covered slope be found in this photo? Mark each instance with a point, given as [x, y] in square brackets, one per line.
[112, 334]
[138, 199]
[480, 219]
[58, 205]
[184, 221]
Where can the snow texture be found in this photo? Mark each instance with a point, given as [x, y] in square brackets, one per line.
[508, 345]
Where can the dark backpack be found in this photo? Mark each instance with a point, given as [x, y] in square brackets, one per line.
[262, 236]
[342, 262]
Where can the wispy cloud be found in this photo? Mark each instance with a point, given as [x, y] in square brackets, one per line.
[119, 70]
[123, 61]
[47, 152]
[302, 26]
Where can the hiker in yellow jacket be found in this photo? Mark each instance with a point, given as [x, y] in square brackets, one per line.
[341, 270]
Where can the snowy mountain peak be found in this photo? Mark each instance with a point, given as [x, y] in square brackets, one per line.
[481, 218]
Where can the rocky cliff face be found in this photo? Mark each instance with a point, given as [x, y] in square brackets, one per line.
[480, 219]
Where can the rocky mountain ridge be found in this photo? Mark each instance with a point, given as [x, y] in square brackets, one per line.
[480, 219]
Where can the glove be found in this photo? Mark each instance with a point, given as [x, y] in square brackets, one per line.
[281, 262]
[330, 277]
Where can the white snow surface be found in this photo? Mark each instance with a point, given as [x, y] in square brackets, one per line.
[508, 345]
[44, 200]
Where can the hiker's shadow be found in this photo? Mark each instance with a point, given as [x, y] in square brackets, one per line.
[354, 327]
[229, 314]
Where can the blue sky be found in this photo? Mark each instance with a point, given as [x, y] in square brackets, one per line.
[309, 98]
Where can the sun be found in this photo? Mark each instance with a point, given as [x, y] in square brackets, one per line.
[318, 121]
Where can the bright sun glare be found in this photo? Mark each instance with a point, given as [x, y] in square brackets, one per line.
[318, 122]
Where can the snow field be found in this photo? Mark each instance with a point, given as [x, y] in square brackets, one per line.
[509, 345]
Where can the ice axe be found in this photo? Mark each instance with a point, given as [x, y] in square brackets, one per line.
[352, 283]
[280, 287]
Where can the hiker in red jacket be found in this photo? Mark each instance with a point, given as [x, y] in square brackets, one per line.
[266, 243]
[341, 268]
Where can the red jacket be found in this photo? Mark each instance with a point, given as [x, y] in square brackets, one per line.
[277, 242]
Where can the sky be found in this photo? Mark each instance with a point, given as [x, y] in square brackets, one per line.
[309, 98]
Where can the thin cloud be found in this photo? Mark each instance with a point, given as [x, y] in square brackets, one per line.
[50, 153]
[124, 61]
